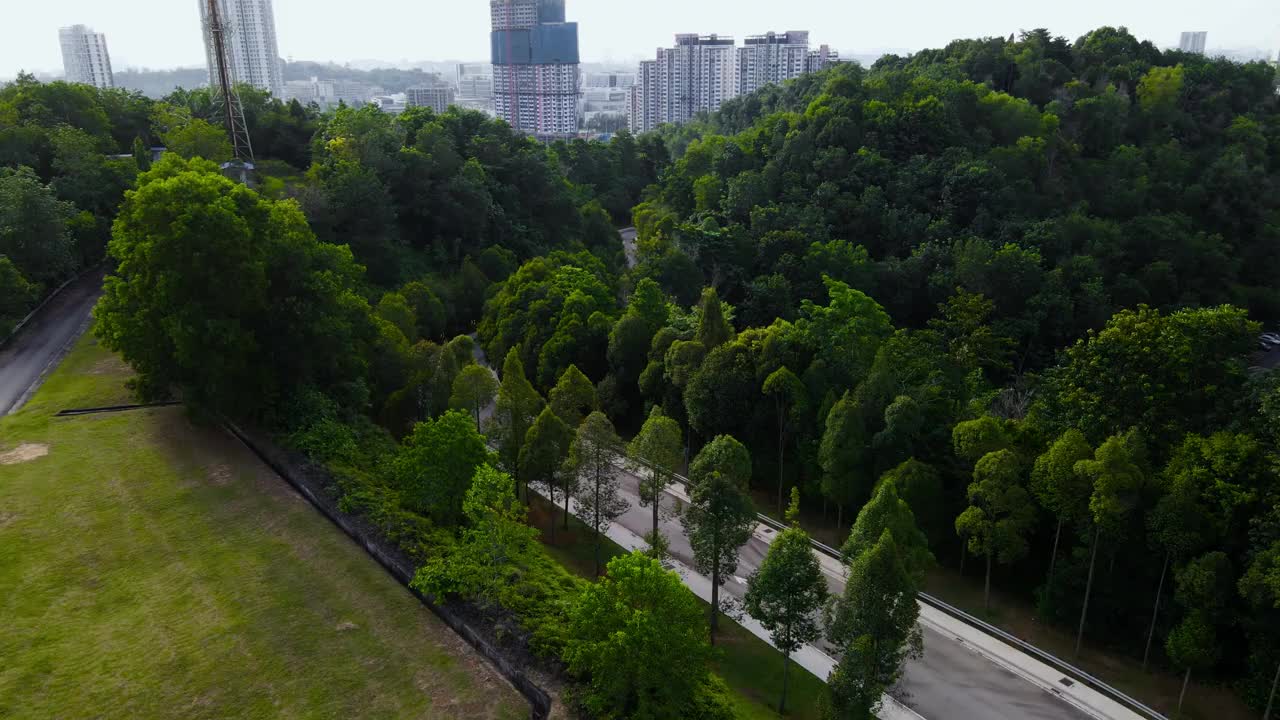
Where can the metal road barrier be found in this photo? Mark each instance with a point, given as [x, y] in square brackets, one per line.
[1053, 661]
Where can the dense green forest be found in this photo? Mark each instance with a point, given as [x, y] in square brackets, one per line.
[1025, 279]
[1015, 283]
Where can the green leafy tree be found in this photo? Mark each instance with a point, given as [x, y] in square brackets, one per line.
[591, 459]
[1117, 474]
[435, 465]
[496, 543]
[33, 227]
[473, 390]
[196, 138]
[846, 476]
[873, 626]
[714, 329]
[920, 486]
[789, 401]
[720, 516]
[229, 297]
[16, 295]
[1260, 587]
[974, 439]
[637, 634]
[1165, 375]
[888, 511]
[395, 309]
[573, 397]
[1061, 490]
[718, 398]
[1000, 513]
[787, 591]
[427, 309]
[659, 448]
[847, 332]
[546, 447]
[1192, 646]
[518, 407]
[141, 155]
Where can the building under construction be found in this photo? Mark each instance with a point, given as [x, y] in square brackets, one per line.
[535, 66]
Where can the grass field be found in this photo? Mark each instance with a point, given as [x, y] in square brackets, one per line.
[751, 667]
[152, 569]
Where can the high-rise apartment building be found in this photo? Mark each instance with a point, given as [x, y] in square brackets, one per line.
[84, 56]
[252, 53]
[535, 66]
[821, 59]
[703, 71]
[697, 75]
[642, 98]
[1193, 42]
[772, 58]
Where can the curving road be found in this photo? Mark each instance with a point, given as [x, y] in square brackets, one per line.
[50, 332]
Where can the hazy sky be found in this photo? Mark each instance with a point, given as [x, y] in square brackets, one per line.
[166, 33]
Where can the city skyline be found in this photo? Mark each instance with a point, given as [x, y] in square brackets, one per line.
[387, 30]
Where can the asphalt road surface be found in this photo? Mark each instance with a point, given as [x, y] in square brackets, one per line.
[950, 682]
[628, 236]
[41, 343]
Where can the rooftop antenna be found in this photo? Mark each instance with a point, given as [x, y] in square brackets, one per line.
[226, 99]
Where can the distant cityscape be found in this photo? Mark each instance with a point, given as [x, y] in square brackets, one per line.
[534, 80]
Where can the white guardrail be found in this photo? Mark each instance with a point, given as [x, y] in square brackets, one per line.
[1053, 661]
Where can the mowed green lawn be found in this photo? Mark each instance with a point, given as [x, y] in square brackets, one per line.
[152, 569]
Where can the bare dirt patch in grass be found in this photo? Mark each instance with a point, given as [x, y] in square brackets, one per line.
[219, 474]
[24, 453]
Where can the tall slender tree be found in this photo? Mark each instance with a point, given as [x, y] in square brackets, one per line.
[1117, 474]
[887, 511]
[518, 406]
[573, 397]
[873, 626]
[658, 448]
[720, 515]
[546, 446]
[591, 459]
[473, 390]
[714, 329]
[999, 515]
[787, 591]
[846, 474]
[1061, 490]
[789, 399]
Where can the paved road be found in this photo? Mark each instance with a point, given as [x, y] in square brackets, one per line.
[41, 343]
[950, 682]
[628, 236]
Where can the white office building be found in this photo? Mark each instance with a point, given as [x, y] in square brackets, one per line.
[1193, 42]
[252, 52]
[771, 59]
[84, 56]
